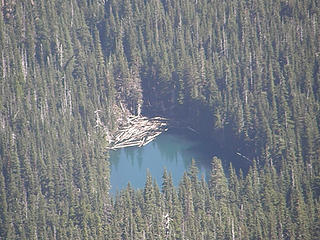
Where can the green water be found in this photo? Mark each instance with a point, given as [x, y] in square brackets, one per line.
[171, 151]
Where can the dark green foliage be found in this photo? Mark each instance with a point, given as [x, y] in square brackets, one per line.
[244, 73]
[263, 209]
[54, 172]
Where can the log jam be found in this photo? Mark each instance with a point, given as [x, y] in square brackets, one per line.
[138, 131]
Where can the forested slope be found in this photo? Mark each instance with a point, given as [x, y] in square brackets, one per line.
[241, 72]
[54, 173]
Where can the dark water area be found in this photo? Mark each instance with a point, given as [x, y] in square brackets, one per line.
[173, 151]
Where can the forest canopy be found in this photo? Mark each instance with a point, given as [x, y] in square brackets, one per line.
[246, 73]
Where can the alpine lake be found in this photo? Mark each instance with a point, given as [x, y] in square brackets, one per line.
[173, 151]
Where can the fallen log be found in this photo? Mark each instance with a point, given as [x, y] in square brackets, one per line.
[148, 141]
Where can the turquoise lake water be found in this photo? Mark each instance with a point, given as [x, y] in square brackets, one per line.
[171, 151]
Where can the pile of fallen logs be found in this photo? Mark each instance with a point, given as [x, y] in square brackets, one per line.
[138, 131]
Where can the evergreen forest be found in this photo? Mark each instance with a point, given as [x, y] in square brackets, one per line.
[244, 73]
